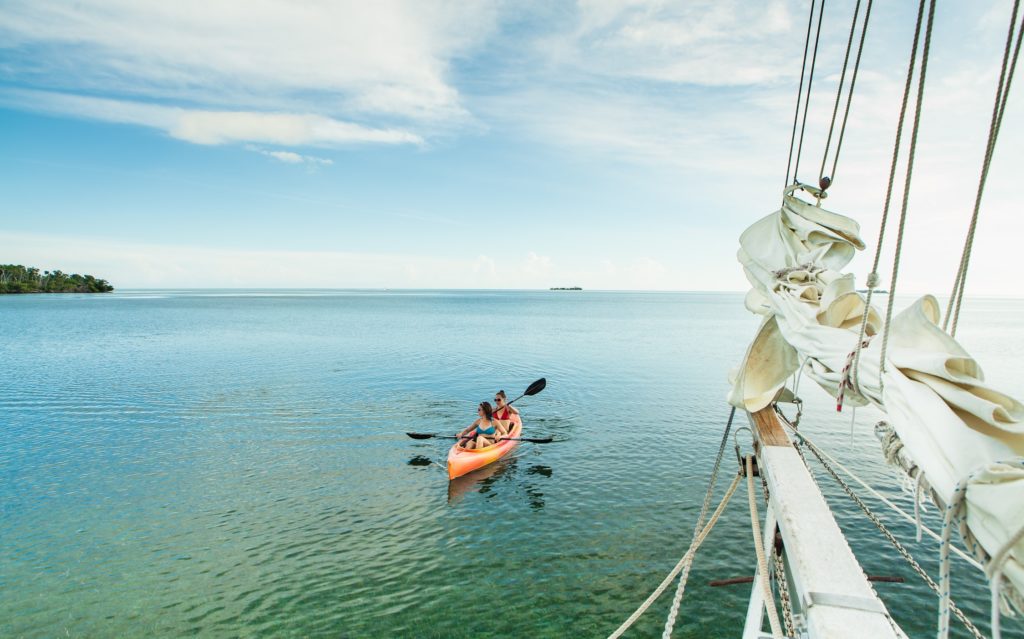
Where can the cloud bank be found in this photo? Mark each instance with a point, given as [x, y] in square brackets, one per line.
[273, 72]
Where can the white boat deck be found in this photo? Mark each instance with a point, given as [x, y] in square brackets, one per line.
[831, 591]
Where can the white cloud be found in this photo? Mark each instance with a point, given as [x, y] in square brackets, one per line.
[707, 42]
[303, 71]
[537, 265]
[291, 157]
[486, 266]
[210, 127]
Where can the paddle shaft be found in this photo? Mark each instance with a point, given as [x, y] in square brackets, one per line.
[535, 440]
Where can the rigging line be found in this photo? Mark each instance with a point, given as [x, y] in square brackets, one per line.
[900, 548]
[677, 599]
[1002, 94]
[853, 84]
[872, 280]
[839, 93]
[799, 94]
[882, 498]
[906, 188]
[762, 561]
[807, 98]
[686, 559]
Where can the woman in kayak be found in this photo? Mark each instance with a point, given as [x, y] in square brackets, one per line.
[483, 431]
[503, 413]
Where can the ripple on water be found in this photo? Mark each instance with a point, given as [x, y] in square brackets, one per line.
[236, 465]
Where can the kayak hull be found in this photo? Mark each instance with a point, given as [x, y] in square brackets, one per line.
[462, 461]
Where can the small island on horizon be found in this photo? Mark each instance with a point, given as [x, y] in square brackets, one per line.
[566, 288]
[15, 278]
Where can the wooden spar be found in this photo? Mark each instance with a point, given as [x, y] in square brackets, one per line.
[830, 587]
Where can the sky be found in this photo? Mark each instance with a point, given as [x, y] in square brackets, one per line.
[424, 144]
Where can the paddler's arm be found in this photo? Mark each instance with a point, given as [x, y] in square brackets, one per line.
[469, 429]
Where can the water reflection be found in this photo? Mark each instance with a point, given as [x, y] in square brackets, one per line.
[481, 481]
[500, 479]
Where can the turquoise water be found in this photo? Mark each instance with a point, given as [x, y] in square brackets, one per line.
[233, 463]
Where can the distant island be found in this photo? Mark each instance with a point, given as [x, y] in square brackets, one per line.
[566, 288]
[15, 278]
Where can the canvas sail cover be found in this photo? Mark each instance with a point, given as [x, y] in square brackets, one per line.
[958, 430]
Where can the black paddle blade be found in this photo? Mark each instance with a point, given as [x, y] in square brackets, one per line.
[536, 387]
[421, 435]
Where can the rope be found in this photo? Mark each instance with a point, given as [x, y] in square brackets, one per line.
[889, 536]
[839, 94]
[872, 280]
[995, 575]
[891, 446]
[807, 98]
[906, 189]
[799, 93]
[853, 84]
[686, 559]
[677, 599]
[1002, 94]
[953, 510]
[846, 376]
[956, 512]
[762, 563]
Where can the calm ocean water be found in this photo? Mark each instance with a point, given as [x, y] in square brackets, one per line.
[233, 463]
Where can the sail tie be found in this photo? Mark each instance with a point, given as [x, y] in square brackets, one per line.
[847, 379]
[956, 515]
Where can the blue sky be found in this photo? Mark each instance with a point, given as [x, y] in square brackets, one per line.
[613, 145]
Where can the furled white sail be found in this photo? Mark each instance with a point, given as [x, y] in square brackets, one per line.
[958, 430]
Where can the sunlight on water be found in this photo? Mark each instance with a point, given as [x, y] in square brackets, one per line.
[233, 463]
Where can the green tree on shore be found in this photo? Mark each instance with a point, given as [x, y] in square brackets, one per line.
[15, 278]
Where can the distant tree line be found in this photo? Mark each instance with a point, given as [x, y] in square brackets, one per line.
[15, 278]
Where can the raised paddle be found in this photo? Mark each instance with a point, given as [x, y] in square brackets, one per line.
[532, 389]
[545, 440]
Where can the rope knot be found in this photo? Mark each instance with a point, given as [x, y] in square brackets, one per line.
[846, 381]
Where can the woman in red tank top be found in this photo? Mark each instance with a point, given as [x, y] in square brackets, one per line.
[503, 413]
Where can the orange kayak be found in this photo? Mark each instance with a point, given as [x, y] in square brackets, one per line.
[462, 461]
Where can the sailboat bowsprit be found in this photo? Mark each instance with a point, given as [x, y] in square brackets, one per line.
[959, 439]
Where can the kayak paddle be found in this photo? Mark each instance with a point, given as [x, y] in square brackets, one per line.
[532, 389]
[545, 440]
